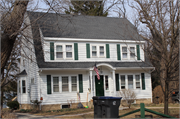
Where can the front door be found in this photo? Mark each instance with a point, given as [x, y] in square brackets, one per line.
[99, 86]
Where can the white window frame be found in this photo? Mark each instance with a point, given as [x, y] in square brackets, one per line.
[68, 84]
[134, 80]
[53, 84]
[76, 83]
[105, 83]
[120, 81]
[64, 51]
[23, 86]
[129, 52]
[98, 50]
[139, 81]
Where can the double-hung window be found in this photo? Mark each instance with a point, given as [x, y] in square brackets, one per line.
[101, 51]
[55, 84]
[59, 51]
[63, 51]
[94, 51]
[137, 81]
[132, 52]
[128, 52]
[74, 83]
[65, 84]
[68, 51]
[130, 81]
[23, 86]
[124, 52]
[123, 84]
[97, 50]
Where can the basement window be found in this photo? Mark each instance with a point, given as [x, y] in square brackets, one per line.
[65, 106]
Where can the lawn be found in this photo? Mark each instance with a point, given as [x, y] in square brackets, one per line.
[172, 112]
[155, 105]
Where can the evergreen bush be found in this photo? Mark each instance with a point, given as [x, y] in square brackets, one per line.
[13, 105]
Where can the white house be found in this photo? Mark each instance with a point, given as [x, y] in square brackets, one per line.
[62, 51]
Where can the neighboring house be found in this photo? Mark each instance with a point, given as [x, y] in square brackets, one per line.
[63, 50]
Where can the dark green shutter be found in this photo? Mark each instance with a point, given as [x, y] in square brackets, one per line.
[118, 52]
[75, 51]
[88, 50]
[80, 83]
[48, 84]
[107, 51]
[51, 50]
[138, 52]
[117, 82]
[143, 81]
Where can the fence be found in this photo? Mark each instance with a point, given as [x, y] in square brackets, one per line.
[143, 109]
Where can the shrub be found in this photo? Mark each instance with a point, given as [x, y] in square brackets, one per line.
[13, 105]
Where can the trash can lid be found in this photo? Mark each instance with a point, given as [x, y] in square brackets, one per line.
[106, 97]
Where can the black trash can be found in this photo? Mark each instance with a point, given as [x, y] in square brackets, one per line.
[106, 107]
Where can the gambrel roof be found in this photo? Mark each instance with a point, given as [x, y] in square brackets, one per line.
[86, 27]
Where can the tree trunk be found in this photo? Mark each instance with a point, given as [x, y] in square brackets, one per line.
[166, 98]
[11, 27]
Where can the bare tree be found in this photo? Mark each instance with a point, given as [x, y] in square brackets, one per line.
[161, 19]
[11, 20]
[128, 95]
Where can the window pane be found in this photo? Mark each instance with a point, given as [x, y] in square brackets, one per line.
[93, 53]
[137, 84]
[124, 55]
[69, 54]
[23, 83]
[59, 48]
[93, 48]
[106, 82]
[137, 78]
[68, 48]
[64, 79]
[74, 83]
[130, 81]
[59, 55]
[74, 87]
[24, 89]
[65, 87]
[122, 81]
[101, 48]
[32, 81]
[132, 49]
[74, 79]
[101, 53]
[56, 88]
[132, 55]
[124, 49]
[56, 80]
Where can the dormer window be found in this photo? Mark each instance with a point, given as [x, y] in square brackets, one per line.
[101, 51]
[68, 51]
[124, 52]
[132, 52]
[98, 50]
[59, 51]
[94, 51]
[64, 51]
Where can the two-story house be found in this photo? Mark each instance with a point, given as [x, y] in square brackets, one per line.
[62, 51]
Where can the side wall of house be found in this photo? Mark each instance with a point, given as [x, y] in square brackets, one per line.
[28, 63]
